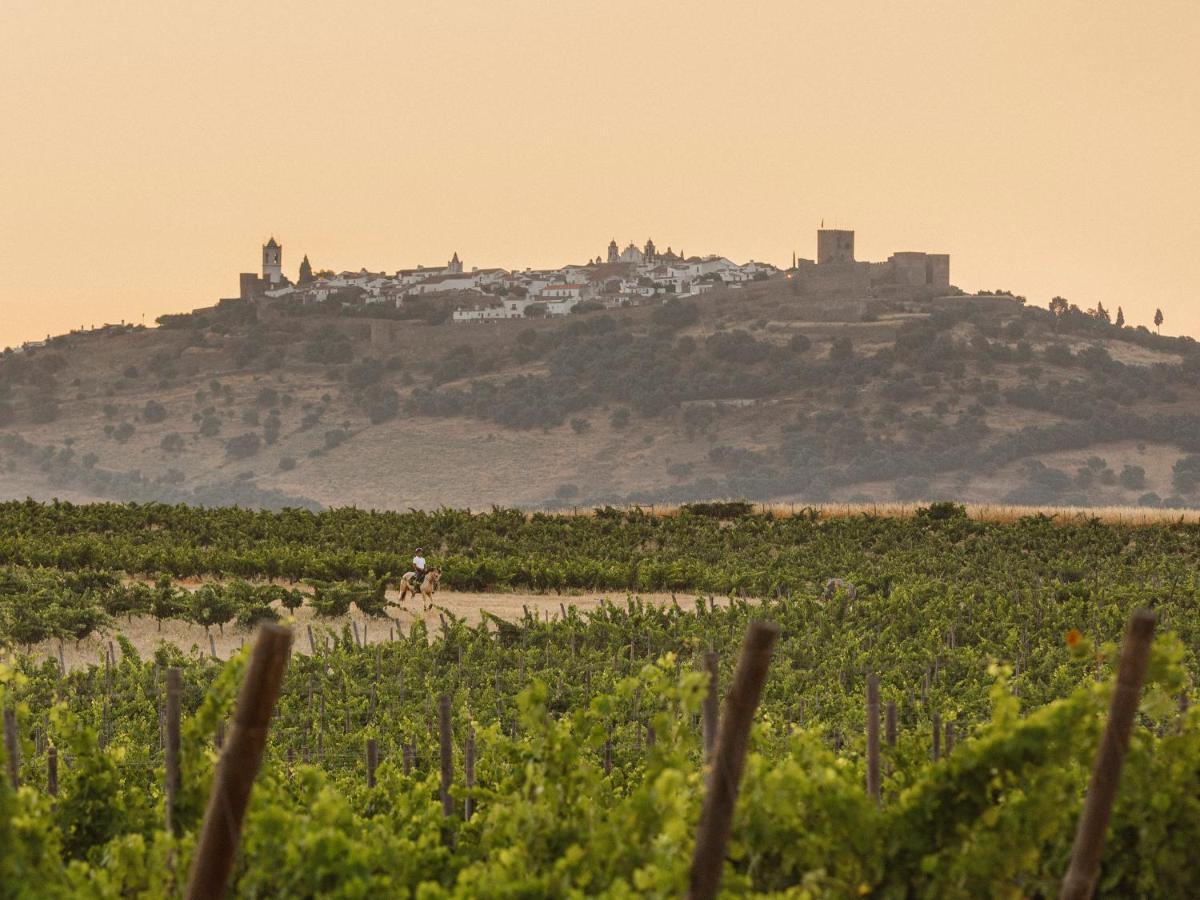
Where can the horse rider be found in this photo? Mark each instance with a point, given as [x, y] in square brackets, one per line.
[418, 568]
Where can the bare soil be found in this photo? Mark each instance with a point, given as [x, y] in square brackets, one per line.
[145, 633]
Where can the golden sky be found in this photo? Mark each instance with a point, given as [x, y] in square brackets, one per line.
[150, 148]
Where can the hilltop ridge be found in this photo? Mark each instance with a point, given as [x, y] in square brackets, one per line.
[763, 390]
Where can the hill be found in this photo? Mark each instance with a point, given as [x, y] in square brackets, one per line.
[759, 391]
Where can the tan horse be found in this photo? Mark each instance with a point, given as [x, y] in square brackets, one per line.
[427, 589]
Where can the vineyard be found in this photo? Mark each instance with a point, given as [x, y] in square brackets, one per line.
[929, 716]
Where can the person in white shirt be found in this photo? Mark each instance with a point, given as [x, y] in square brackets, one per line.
[419, 566]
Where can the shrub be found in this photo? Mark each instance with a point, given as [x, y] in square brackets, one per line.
[123, 432]
[243, 446]
[381, 403]
[210, 425]
[154, 412]
[335, 438]
[287, 463]
[172, 443]
[271, 429]
[579, 426]
[620, 418]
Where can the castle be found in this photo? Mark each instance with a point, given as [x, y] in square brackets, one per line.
[835, 269]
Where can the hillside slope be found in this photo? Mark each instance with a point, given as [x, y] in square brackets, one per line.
[757, 392]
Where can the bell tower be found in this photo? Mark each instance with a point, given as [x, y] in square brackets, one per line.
[272, 263]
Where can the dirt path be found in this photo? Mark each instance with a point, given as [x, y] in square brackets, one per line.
[143, 632]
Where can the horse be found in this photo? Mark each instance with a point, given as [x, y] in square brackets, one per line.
[426, 590]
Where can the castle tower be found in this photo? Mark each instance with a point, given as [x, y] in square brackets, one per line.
[272, 263]
[835, 246]
[614, 252]
[455, 266]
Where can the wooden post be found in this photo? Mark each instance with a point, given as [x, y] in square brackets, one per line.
[1080, 880]
[238, 765]
[61, 662]
[446, 754]
[12, 750]
[891, 723]
[212, 645]
[354, 625]
[312, 644]
[372, 761]
[52, 771]
[174, 689]
[469, 773]
[724, 778]
[873, 738]
[937, 737]
[712, 702]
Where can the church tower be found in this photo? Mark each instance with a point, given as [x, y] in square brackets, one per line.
[272, 266]
[614, 252]
[651, 252]
[455, 267]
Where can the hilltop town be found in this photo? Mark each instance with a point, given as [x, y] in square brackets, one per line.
[621, 277]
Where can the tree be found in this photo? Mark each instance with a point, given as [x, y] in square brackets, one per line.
[1120, 323]
[306, 272]
[1058, 308]
[1158, 320]
[1185, 474]
[1100, 314]
[153, 412]
[172, 443]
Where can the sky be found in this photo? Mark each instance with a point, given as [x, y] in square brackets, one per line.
[149, 149]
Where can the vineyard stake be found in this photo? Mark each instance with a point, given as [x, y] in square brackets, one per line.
[52, 771]
[937, 737]
[372, 761]
[873, 738]
[716, 816]
[212, 645]
[446, 750]
[711, 704]
[239, 764]
[61, 663]
[469, 773]
[12, 750]
[312, 644]
[174, 687]
[1080, 880]
[891, 723]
